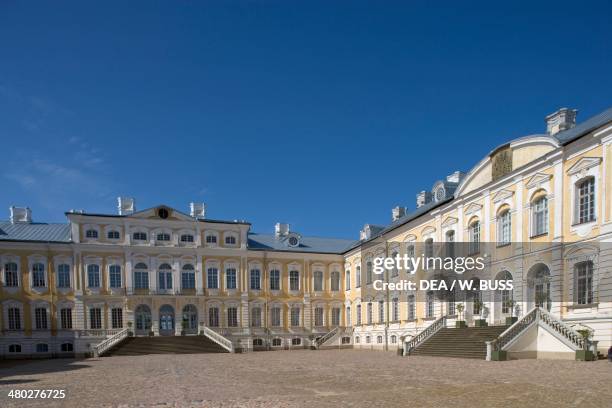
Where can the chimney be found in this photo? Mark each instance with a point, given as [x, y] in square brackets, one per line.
[455, 177]
[280, 229]
[397, 213]
[423, 198]
[125, 205]
[561, 120]
[21, 215]
[198, 210]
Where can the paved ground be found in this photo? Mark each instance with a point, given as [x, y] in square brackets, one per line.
[309, 378]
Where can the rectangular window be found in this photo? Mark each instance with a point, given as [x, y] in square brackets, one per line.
[335, 317]
[63, 276]
[348, 316]
[348, 280]
[213, 317]
[117, 318]
[318, 281]
[429, 311]
[188, 279]
[274, 279]
[93, 276]
[230, 278]
[255, 279]
[295, 316]
[256, 317]
[66, 318]
[232, 317]
[396, 309]
[11, 277]
[40, 314]
[38, 276]
[381, 311]
[114, 276]
[213, 278]
[318, 316]
[141, 280]
[540, 216]
[335, 281]
[275, 316]
[584, 283]
[294, 280]
[370, 313]
[95, 318]
[586, 201]
[451, 304]
[14, 318]
[358, 315]
[411, 308]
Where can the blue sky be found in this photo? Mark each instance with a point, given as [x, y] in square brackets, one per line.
[321, 114]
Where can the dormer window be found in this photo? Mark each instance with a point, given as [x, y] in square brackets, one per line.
[440, 194]
[140, 236]
[91, 233]
[162, 213]
[112, 235]
[163, 236]
[293, 241]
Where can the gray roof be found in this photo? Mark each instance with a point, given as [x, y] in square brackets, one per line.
[585, 127]
[269, 242]
[36, 231]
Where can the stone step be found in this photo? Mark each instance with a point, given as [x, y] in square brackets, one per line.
[465, 342]
[165, 345]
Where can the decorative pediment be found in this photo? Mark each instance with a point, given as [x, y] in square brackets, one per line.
[472, 208]
[502, 195]
[584, 164]
[161, 212]
[538, 179]
[449, 221]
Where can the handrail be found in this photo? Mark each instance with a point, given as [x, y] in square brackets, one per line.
[424, 335]
[97, 332]
[326, 337]
[534, 316]
[219, 339]
[105, 345]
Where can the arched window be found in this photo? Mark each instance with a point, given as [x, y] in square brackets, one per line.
[11, 276]
[114, 276]
[583, 283]
[539, 216]
[474, 236]
[211, 239]
[296, 341]
[93, 276]
[379, 339]
[63, 276]
[294, 280]
[139, 236]
[255, 279]
[188, 277]
[165, 277]
[276, 342]
[142, 315]
[318, 281]
[91, 233]
[141, 276]
[190, 318]
[163, 236]
[257, 342]
[335, 281]
[113, 234]
[230, 240]
[585, 200]
[38, 275]
[393, 339]
[504, 227]
[187, 238]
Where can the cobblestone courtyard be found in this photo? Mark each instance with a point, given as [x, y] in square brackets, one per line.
[309, 378]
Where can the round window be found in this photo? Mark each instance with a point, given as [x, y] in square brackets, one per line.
[293, 241]
[439, 194]
[163, 213]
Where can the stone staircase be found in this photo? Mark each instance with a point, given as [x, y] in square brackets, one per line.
[467, 342]
[134, 346]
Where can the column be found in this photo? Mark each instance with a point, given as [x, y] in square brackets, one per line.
[129, 285]
[176, 275]
[198, 272]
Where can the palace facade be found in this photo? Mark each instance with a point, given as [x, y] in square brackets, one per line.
[67, 287]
